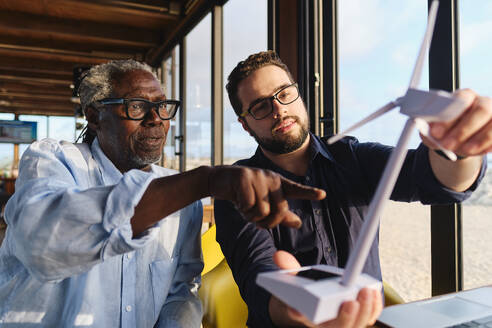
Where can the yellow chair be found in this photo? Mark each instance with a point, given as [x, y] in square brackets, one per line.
[223, 306]
[391, 297]
[212, 254]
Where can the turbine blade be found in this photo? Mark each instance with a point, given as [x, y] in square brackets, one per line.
[386, 108]
[424, 128]
[417, 71]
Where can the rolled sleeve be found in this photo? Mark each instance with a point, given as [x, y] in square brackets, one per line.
[61, 223]
[430, 190]
[120, 207]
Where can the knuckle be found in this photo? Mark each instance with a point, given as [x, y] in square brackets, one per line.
[246, 204]
[263, 210]
[485, 104]
[245, 172]
[465, 93]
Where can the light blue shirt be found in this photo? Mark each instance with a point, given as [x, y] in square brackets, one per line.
[69, 260]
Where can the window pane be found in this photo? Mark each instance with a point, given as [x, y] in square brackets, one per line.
[376, 63]
[61, 128]
[41, 129]
[171, 89]
[42, 124]
[198, 95]
[475, 72]
[6, 159]
[6, 116]
[245, 32]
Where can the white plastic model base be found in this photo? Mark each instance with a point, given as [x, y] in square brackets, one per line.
[315, 291]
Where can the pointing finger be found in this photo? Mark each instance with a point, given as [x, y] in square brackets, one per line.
[295, 190]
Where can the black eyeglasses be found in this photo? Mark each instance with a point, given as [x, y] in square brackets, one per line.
[137, 109]
[261, 108]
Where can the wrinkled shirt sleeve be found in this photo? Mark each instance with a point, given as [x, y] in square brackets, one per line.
[61, 227]
[183, 308]
[416, 181]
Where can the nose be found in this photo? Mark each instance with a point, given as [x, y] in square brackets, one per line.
[278, 109]
[152, 118]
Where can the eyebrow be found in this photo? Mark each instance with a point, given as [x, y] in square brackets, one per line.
[129, 95]
[257, 100]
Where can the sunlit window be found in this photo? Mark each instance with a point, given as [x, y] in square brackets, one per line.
[170, 77]
[245, 32]
[61, 128]
[42, 131]
[6, 150]
[379, 43]
[198, 95]
[475, 72]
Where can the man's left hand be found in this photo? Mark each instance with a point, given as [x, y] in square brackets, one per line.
[358, 313]
[470, 134]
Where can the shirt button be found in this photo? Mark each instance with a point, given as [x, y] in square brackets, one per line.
[129, 256]
[317, 211]
[308, 179]
[128, 308]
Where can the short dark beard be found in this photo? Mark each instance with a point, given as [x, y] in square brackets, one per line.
[283, 146]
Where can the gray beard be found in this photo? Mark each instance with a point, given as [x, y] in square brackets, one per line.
[139, 162]
[283, 146]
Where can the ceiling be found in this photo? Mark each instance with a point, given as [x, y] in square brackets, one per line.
[42, 41]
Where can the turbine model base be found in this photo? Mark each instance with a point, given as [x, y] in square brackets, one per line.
[315, 291]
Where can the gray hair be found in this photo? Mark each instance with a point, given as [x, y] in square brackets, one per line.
[97, 83]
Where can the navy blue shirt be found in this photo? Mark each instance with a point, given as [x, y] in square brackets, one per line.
[349, 172]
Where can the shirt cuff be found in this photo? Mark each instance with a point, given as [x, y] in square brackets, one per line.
[433, 192]
[120, 208]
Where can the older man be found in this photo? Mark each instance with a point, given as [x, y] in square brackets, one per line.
[267, 102]
[98, 236]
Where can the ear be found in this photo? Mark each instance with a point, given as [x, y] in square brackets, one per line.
[92, 117]
[244, 125]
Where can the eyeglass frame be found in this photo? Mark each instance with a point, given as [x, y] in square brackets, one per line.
[271, 98]
[155, 105]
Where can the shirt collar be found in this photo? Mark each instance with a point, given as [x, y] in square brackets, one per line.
[317, 146]
[110, 174]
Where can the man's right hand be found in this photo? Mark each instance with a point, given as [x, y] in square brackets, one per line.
[359, 313]
[260, 195]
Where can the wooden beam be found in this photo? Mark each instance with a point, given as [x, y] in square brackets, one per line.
[30, 101]
[93, 12]
[6, 95]
[67, 53]
[25, 64]
[199, 10]
[72, 45]
[35, 111]
[35, 80]
[33, 72]
[74, 59]
[21, 25]
[16, 86]
[15, 106]
[44, 74]
[170, 7]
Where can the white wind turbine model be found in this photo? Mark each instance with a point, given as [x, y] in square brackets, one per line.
[318, 291]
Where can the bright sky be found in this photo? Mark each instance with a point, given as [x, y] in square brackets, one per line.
[379, 41]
